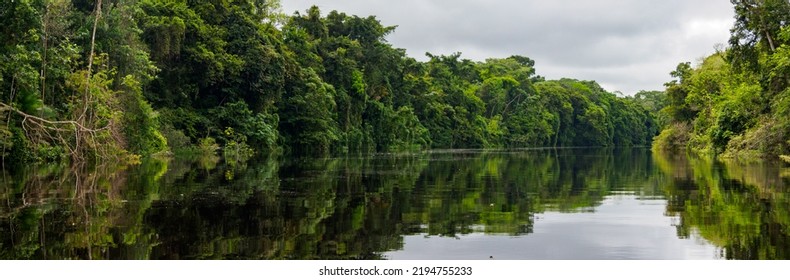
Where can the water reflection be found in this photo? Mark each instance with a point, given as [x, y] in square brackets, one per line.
[743, 208]
[524, 204]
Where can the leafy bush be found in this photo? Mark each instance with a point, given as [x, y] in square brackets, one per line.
[257, 129]
[140, 123]
[674, 137]
[176, 139]
[208, 146]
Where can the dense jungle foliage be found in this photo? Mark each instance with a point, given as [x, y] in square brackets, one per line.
[119, 79]
[736, 102]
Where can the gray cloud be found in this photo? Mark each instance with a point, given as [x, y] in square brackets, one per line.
[622, 227]
[625, 45]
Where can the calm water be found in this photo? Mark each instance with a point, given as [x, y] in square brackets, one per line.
[461, 204]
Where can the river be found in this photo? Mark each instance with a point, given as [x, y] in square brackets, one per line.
[578, 203]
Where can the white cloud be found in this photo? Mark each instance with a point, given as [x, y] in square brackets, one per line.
[625, 45]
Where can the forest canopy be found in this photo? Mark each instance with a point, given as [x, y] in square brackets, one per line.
[110, 79]
[736, 102]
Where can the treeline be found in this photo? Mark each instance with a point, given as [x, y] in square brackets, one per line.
[736, 102]
[114, 78]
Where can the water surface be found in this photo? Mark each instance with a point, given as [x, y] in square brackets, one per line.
[453, 204]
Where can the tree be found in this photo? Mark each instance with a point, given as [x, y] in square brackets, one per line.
[756, 29]
[307, 115]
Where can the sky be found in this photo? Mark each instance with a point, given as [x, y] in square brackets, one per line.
[624, 45]
[622, 227]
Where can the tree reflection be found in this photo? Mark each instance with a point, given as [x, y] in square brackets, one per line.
[59, 212]
[741, 207]
[359, 208]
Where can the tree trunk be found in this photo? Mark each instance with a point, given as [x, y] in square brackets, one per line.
[770, 41]
[85, 97]
[44, 65]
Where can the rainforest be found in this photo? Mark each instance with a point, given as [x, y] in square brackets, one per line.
[88, 80]
[228, 129]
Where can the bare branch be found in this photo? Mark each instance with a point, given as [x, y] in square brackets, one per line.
[27, 116]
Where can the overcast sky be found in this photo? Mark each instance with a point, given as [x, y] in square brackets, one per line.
[624, 45]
